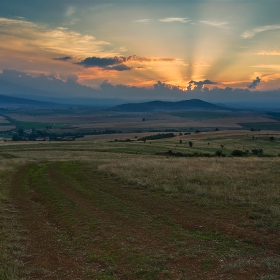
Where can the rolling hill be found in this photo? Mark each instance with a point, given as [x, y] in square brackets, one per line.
[6, 100]
[160, 106]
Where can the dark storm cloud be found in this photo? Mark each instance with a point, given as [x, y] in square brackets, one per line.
[205, 82]
[117, 63]
[65, 58]
[121, 67]
[198, 86]
[254, 84]
[159, 86]
[51, 86]
[17, 82]
[101, 62]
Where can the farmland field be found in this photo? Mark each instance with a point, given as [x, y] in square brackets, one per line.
[104, 208]
[88, 120]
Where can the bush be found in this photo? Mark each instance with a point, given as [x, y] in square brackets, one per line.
[218, 153]
[257, 152]
[238, 153]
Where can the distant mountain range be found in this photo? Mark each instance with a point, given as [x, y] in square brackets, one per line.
[6, 100]
[161, 106]
[152, 106]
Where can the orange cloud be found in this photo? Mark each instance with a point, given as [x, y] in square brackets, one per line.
[262, 52]
[22, 35]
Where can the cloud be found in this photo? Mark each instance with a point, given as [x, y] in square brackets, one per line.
[64, 58]
[18, 82]
[149, 59]
[70, 11]
[51, 86]
[268, 66]
[253, 32]
[159, 86]
[175, 19]
[106, 63]
[145, 20]
[23, 35]
[198, 64]
[198, 86]
[262, 52]
[205, 82]
[118, 63]
[121, 67]
[215, 23]
[254, 84]
[101, 62]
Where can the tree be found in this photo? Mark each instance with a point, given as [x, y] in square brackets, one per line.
[238, 153]
[218, 153]
[271, 138]
[143, 119]
[15, 137]
[217, 129]
[190, 143]
[20, 132]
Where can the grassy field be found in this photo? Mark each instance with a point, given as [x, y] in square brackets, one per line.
[116, 210]
[203, 115]
[89, 119]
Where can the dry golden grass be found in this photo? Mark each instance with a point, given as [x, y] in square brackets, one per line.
[234, 180]
[234, 187]
[251, 181]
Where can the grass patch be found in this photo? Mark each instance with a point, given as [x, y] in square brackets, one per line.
[201, 115]
[261, 125]
[115, 214]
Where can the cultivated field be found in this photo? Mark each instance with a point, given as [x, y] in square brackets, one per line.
[88, 120]
[106, 209]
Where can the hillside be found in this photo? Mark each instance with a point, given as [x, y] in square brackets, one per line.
[6, 100]
[157, 106]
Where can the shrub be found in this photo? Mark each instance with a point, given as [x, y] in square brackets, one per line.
[257, 151]
[218, 153]
[238, 153]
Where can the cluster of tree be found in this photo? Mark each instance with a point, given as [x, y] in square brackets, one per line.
[157, 136]
[126, 140]
[218, 153]
[46, 135]
[43, 135]
[106, 131]
[258, 152]
[238, 153]
[179, 154]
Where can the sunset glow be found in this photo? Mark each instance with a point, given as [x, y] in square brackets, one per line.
[138, 44]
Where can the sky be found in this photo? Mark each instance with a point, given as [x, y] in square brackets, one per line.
[140, 49]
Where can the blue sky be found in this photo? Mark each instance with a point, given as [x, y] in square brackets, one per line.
[231, 43]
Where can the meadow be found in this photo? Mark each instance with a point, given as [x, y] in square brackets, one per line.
[107, 208]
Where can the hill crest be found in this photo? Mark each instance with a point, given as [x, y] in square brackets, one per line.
[159, 106]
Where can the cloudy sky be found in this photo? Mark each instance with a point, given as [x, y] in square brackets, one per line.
[184, 44]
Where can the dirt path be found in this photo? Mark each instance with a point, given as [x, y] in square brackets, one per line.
[81, 225]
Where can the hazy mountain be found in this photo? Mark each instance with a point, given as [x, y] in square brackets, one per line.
[157, 106]
[6, 100]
